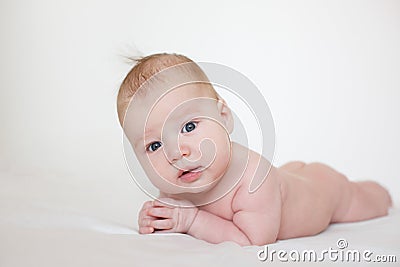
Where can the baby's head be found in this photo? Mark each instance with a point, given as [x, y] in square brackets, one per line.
[176, 123]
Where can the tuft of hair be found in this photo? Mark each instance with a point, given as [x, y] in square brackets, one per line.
[142, 71]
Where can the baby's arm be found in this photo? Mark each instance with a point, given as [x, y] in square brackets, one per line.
[258, 214]
[214, 229]
[161, 217]
[256, 218]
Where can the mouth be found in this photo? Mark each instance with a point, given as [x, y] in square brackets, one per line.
[190, 175]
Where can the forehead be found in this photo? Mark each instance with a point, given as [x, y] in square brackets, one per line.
[151, 109]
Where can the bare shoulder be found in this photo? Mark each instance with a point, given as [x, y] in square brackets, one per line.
[259, 185]
[258, 213]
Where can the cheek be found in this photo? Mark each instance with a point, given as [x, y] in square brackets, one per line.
[223, 149]
[154, 158]
[154, 164]
[158, 162]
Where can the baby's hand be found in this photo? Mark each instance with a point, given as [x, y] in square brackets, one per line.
[161, 217]
[145, 220]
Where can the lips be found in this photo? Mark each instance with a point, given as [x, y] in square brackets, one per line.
[190, 175]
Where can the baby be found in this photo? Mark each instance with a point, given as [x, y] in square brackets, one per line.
[180, 135]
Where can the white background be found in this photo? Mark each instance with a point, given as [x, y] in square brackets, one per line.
[330, 71]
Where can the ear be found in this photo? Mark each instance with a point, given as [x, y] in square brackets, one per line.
[225, 113]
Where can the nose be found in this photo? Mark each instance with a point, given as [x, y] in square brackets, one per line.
[177, 150]
[184, 149]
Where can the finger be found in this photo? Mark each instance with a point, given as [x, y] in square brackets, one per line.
[147, 204]
[146, 230]
[145, 222]
[166, 202]
[158, 203]
[162, 224]
[161, 212]
[144, 213]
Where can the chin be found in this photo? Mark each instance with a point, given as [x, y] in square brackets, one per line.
[205, 187]
[194, 188]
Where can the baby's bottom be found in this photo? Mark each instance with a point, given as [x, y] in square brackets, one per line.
[357, 200]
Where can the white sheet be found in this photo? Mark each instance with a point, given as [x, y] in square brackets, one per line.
[65, 222]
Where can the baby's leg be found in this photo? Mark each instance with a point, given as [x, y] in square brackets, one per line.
[352, 201]
[362, 201]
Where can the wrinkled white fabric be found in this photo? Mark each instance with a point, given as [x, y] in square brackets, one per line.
[67, 222]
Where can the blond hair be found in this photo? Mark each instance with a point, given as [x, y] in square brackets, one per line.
[144, 69]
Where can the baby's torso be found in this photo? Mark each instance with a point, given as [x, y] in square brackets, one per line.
[307, 201]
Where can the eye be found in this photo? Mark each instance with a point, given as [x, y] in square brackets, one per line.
[190, 126]
[154, 146]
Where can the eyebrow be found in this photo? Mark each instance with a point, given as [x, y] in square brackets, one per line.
[136, 143]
